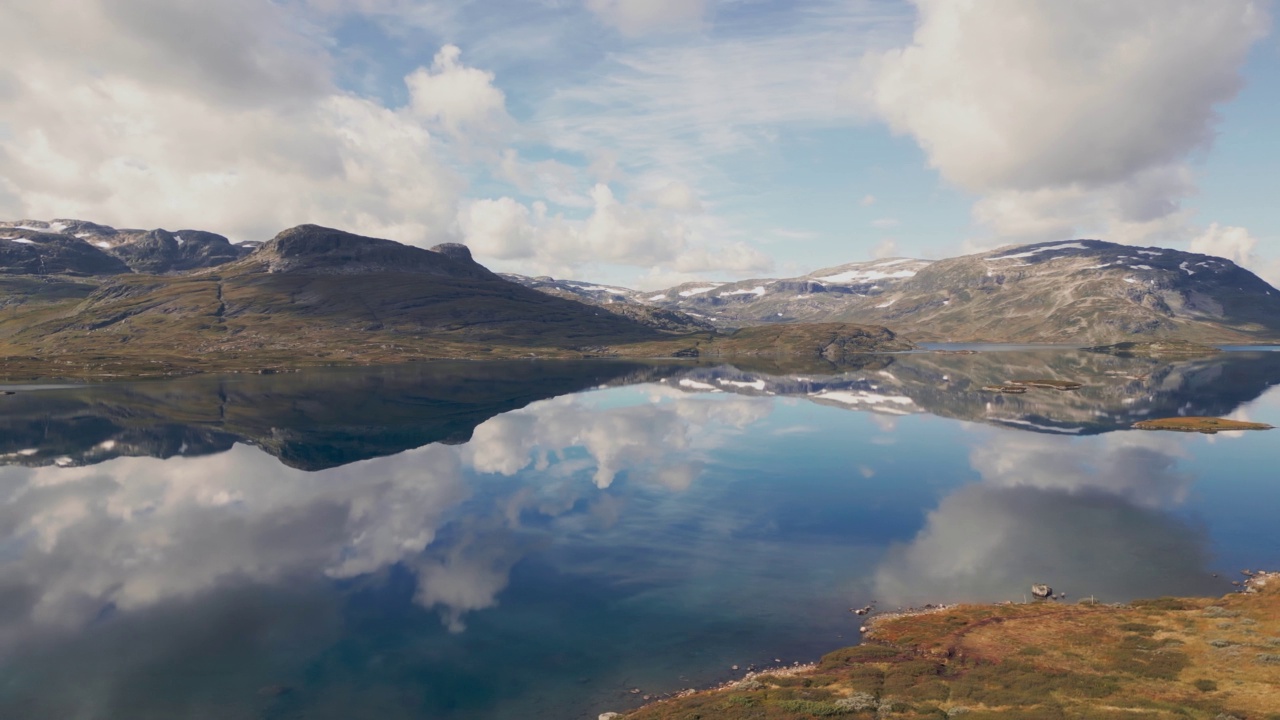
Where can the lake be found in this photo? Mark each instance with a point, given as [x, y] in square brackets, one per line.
[557, 539]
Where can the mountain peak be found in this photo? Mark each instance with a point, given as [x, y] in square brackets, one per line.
[316, 249]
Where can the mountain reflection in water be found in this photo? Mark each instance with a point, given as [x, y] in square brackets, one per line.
[487, 540]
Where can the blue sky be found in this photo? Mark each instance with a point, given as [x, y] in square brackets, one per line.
[647, 142]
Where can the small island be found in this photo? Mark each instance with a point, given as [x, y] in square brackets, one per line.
[1206, 425]
[1157, 349]
[1161, 659]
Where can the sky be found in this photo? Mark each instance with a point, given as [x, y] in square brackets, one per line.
[651, 142]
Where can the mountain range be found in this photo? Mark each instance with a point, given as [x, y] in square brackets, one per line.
[1075, 292]
[78, 296]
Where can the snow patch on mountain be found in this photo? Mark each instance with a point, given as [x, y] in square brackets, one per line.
[1036, 251]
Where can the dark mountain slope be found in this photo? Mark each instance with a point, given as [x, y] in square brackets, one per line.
[311, 421]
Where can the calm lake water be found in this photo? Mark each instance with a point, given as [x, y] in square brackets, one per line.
[541, 540]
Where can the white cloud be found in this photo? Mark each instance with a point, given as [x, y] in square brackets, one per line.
[675, 195]
[884, 223]
[887, 247]
[661, 235]
[867, 200]
[229, 117]
[1238, 245]
[1232, 243]
[462, 99]
[637, 17]
[214, 115]
[1067, 115]
[678, 107]
[500, 228]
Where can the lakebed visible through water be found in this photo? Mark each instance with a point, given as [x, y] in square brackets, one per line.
[552, 540]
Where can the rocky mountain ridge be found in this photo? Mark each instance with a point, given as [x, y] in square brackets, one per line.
[1085, 292]
[104, 250]
[1079, 291]
[320, 296]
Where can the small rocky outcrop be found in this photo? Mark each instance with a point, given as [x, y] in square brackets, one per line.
[456, 251]
[1041, 591]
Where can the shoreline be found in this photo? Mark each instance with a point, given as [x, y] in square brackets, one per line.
[991, 640]
[26, 369]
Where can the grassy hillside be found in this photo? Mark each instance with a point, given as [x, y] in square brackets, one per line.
[1165, 659]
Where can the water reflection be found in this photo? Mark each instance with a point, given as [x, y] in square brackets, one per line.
[1089, 516]
[311, 421]
[476, 542]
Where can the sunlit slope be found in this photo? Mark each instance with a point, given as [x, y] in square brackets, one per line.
[1084, 291]
[1079, 292]
[315, 290]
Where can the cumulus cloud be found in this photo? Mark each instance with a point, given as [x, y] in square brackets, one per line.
[231, 117]
[1232, 243]
[216, 115]
[461, 99]
[886, 248]
[637, 17]
[1066, 115]
[664, 232]
[1238, 245]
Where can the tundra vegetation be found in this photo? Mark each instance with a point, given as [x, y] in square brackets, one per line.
[1161, 659]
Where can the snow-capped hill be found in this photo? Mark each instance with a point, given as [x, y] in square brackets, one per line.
[587, 292]
[874, 272]
[628, 303]
[1078, 291]
[1072, 291]
[808, 298]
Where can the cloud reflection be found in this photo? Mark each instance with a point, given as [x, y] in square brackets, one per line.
[1085, 515]
[131, 533]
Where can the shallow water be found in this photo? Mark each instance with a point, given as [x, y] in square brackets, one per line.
[538, 540]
